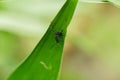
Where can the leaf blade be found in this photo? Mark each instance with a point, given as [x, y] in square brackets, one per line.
[115, 2]
[44, 62]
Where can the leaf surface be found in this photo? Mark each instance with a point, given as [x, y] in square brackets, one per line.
[45, 60]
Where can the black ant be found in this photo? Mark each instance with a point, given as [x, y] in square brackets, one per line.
[58, 37]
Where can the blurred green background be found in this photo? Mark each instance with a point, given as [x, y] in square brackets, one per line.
[92, 47]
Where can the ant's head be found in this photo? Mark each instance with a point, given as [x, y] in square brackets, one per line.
[59, 33]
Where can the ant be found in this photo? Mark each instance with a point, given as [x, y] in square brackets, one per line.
[59, 34]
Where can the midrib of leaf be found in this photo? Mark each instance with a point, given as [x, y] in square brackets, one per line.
[45, 60]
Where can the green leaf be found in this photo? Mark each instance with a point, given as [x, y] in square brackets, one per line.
[45, 60]
[115, 2]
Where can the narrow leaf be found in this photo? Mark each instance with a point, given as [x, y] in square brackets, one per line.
[115, 2]
[45, 60]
